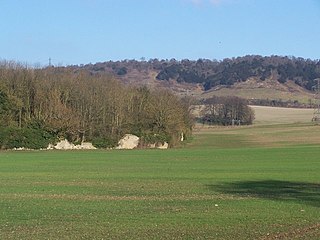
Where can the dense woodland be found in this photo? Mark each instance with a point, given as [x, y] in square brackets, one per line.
[211, 73]
[41, 106]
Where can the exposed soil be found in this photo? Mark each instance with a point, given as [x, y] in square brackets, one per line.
[300, 233]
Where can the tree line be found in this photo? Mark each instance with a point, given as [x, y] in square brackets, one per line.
[40, 106]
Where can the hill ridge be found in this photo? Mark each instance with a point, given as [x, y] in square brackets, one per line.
[202, 78]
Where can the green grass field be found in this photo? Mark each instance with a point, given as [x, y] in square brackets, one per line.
[260, 182]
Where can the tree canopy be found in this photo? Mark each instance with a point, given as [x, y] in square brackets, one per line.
[227, 111]
[80, 105]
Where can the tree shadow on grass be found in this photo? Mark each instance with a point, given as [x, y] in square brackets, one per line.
[299, 192]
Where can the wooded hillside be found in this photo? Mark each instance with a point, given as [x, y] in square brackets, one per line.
[211, 73]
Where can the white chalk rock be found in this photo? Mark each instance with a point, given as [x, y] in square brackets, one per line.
[129, 141]
[64, 145]
[165, 145]
[87, 145]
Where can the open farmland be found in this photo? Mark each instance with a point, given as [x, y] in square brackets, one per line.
[256, 182]
[277, 115]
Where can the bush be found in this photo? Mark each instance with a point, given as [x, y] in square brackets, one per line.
[154, 138]
[104, 142]
[24, 137]
[122, 71]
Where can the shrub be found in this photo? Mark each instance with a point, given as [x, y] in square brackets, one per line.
[104, 142]
[24, 137]
[154, 138]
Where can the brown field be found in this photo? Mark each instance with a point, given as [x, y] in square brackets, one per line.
[277, 115]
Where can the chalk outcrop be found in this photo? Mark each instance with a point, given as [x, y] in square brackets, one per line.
[158, 145]
[129, 141]
[164, 145]
[66, 145]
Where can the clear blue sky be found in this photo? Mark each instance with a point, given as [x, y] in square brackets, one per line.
[84, 31]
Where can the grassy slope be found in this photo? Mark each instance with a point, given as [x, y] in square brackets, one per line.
[248, 183]
[254, 88]
[261, 93]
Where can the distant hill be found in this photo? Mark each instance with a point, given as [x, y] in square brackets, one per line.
[252, 76]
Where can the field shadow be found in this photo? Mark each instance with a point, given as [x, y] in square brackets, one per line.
[299, 192]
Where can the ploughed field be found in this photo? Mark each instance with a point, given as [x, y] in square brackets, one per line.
[258, 182]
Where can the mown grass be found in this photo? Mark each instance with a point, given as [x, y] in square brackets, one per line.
[225, 184]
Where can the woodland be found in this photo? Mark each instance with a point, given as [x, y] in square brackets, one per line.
[39, 106]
